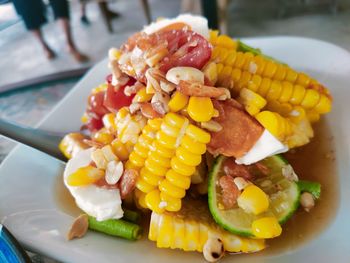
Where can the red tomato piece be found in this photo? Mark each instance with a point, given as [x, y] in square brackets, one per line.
[109, 78]
[186, 48]
[116, 99]
[95, 104]
[94, 124]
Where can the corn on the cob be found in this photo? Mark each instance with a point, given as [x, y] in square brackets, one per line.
[270, 79]
[166, 172]
[71, 144]
[191, 227]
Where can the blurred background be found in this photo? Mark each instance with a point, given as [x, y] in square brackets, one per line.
[31, 83]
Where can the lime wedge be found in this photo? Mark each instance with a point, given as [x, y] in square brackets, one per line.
[283, 196]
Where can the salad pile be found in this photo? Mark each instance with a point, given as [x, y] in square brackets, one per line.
[189, 127]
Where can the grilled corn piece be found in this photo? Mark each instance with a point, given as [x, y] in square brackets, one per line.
[191, 227]
[71, 144]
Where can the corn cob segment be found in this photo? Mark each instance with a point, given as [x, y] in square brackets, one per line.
[71, 144]
[270, 79]
[167, 167]
[191, 227]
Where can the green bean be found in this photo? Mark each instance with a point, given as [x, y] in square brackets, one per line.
[131, 216]
[116, 227]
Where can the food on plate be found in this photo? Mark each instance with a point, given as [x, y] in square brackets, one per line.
[189, 127]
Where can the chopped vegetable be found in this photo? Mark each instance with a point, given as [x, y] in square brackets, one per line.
[313, 188]
[116, 227]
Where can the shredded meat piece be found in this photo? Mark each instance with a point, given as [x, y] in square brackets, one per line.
[262, 168]
[128, 182]
[237, 170]
[239, 133]
[200, 90]
[229, 191]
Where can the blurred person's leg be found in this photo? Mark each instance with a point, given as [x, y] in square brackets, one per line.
[32, 13]
[83, 17]
[61, 12]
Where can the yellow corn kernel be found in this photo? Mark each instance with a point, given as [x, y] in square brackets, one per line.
[181, 168]
[171, 190]
[142, 96]
[153, 228]
[261, 64]
[287, 91]
[148, 132]
[249, 64]
[250, 98]
[163, 151]
[210, 73]
[175, 120]
[158, 159]
[140, 198]
[270, 69]
[131, 166]
[192, 235]
[120, 149]
[312, 97]
[102, 136]
[254, 83]
[179, 180]
[166, 140]
[136, 159]
[274, 91]
[213, 35]
[150, 178]
[173, 204]
[144, 141]
[240, 59]
[72, 144]
[198, 134]
[200, 109]
[253, 200]
[143, 186]
[291, 75]
[154, 168]
[122, 113]
[141, 150]
[266, 227]
[231, 58]
[244, 80]
[155, 123]
[109, 122]
[165, 231]
[187, 157]
[224, 77]
[179, 233]
[178, 101]
[303, 80]
[226, 41]
[324, 105]
[84, 176]
[281, 72]
[219, 68]
[152, 200]
[264, 87]
[298, 95]
[269, 120]
[102, 87]
[85, 118]
[169, 130]
[192, 145]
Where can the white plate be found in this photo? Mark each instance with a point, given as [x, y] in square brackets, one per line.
[27, 177]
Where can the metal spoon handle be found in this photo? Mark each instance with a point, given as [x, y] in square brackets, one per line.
[38, 139]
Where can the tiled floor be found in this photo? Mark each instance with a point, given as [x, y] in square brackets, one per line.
[21, 57]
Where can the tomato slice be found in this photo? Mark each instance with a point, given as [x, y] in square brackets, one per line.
[116, 99]
[95, 104]
[186, 48]
[94, 124]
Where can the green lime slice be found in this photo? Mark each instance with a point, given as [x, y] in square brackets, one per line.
[283, 196]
